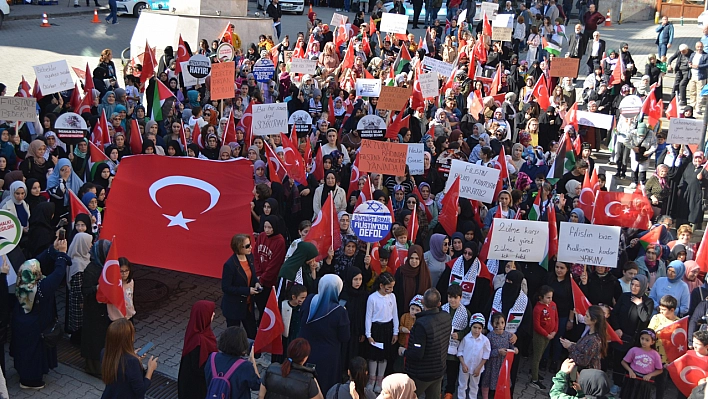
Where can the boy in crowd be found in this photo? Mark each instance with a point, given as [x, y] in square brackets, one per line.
[460, 327]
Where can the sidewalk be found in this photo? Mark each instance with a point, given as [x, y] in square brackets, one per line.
[32, 11]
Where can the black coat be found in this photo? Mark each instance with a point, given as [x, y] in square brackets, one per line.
[234, 304]
[630, 318]
[427, 345]
[96, 321]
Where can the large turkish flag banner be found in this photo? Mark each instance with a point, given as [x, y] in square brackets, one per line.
[179, 213]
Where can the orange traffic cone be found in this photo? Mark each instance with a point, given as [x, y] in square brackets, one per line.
[95, 17]
[608, 19]
[310, 8]
[45, 21]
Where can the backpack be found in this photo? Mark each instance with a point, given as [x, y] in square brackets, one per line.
[219, 386]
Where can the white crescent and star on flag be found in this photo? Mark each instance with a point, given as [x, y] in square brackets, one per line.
[179, 219]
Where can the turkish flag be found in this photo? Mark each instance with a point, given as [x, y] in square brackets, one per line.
[182, 55]
[395, 260]
[617, 72]
[571, 117]
[149, 63]
[77, 207]
[479, 52]
[484, 251]
[88, 80]
[331, 118]
[324, 233]
[354, 178]
[319, 164]
[372, 26]
[85, 104]
[413, 225]
[348, 59]
[245, 123]
[503, 388]
[24, 89]
[275, 167]
[375, 258]
[136, 140]
[582, 305]
[486, 26]
[500, 163]
[230, 131]
[672, 109]
[100, 135]
[269, 334]
[552, 232]
[652, 107]
[540, 92]
[366, 46]
[702, 253]
[496, 83]
[687, 370]
[448, 214]
[586, 200]
[365, 194]
[622, 209]
[674, 339]
[75, 100]
[474, 104]
[197, 203]
[183, 136]
[110, 285]
[292, 160]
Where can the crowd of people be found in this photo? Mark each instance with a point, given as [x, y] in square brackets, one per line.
[427, 313]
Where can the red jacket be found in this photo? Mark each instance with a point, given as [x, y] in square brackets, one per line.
[545, 318]
[268, 257]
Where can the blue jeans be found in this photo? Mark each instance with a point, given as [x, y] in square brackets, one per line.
[278, 29]
[114, 11]
[451, 13]
[662, 50]
[347, 5]
[431, 14]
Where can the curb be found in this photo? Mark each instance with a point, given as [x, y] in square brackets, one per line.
[15, 17]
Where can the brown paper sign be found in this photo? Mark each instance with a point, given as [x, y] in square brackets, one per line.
[393, 98]
[565, 67]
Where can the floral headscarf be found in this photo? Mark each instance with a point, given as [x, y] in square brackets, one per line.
[522, 180]
[28, 277]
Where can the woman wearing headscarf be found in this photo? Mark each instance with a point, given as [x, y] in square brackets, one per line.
[300, 268]
[437, 257]
[100, 178]
[441, 124]
[108, 103]
[677, 157]
[411, 279]
[658, 190]
[325, 324]
[199, 342]
[630, 315]
[175, 150]
[430, 177]
[79, 251]
[268, 255]
[35, 165]
[549, 124]
[15, 204]
[514, 304]
[259, 173]
[330, 185]
[62, 179]
[353, 297]
[594, 384]
[577, 216]
[673, 285]
[211, 144]
[690, 277]
[33, 194]
[96, 321]
[55, 147]
[41, 229]
[80, 161]
[34, 312]
[465, 271]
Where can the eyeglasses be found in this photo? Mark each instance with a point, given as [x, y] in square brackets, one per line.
[445, 244]
[410, 202]
[469, 253]
[207, 114]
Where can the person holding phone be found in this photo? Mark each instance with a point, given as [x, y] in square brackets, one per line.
[240, 284]
[121, 367]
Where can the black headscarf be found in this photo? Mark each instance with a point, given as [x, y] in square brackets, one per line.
[468, 263]
[86, 219]
[277, 219]
[194, 147]
[273, 220]
[178, 149]
[327, 189]
[354, 300]
[149, 144]
[41, 229]
[511, 290]
[594, 383]
[32, 200]
[99, 252]
[97, 178]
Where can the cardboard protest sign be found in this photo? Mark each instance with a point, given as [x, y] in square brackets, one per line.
[414, 159]
[501, 34]
[269, 119]
[601, 121]
[222, 80]
[490, 9]
[188, 79]
[441, 67]
[565, 67]
[18, 109]
[303, 66]
[383, 157]
[394, 98]
[685, 131]
[338, 19]
[371, 127]
[54, 77]
[503, 21]
[368, 87]
[523, 240]
[476, 182]
[429, 85]
[588, 244]
[394, 23]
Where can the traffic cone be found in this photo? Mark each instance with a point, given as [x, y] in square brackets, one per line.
[45, 21]
[310, 8]
[608, 19]
[95, 17]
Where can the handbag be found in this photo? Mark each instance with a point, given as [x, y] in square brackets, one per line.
[52, 334]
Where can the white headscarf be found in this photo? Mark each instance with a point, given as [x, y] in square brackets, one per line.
[79, 251]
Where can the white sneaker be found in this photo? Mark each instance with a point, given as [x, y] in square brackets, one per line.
[633, 186]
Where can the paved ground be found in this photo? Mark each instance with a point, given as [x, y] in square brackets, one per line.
[164, 298]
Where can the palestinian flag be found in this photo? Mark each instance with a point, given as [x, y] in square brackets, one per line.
[552, 243]
[535, 211]
[96, 157]
[554, 45]
[162, 101]
[515, 318]
[565, 160]
[404, 58]
[651, 237]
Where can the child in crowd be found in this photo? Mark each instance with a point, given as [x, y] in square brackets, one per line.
[290, 312]
[404, 329]
[500, 341]
[642, 363]
[629, 271]
[602, 180]
[545, 327]
[399, 240]
[460, 328]
[384, 254]
[666, 316]
[381, 328]
[473, 352]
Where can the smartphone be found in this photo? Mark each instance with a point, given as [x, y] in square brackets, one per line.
[62, 234]
[259, 289]
[250, 344]
[556, 198]
[145, 348]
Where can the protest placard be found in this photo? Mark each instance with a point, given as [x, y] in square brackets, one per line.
[338, 19]
[490, 9]
[503, 21]
[222, 80]
[523, 240]
[429, 85]
[601, 121]
[302, 121]
[371, 221]
[263, 70]
[685, 131]
[476, 182]
[54, 77]
[441, 67]
[269, 119]
[394, 23]
[565, 67]
[501, 34]
[394, 98]
[188, 79]
[371, 127]
[588, 244]
[199, 66]
[303, 66]
[18, 109]
[368, 87]
[383, 157]
[415, 158]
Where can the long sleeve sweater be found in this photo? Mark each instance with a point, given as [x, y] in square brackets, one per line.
[545, 318]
